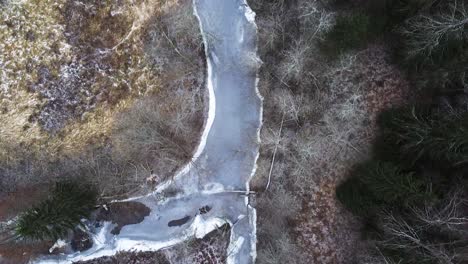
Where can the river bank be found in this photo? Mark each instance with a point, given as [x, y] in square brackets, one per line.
[219, 174]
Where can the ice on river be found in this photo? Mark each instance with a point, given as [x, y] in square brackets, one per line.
[225, 160]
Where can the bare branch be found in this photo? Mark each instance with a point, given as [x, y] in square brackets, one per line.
[426, 33]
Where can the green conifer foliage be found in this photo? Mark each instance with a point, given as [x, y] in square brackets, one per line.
[376, 184]
[389, 184]
[349, 32]
[68, 203]
[420, 134]
[355, 196]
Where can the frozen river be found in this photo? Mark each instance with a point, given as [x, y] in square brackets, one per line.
[224, 162]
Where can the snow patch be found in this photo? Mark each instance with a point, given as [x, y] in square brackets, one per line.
[213, 188]
[58, 244]
[211, 94]
[202, 226]
[249, 13]
[250, 16]
[233, 249]
[99, 240]
[253, 237]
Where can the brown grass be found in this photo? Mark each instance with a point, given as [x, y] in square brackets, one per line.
[12, 203]
[111, 42]
[90, 30]
[23, 252]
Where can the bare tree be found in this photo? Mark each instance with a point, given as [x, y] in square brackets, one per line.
[374, 256]
[158, 134]
[427, 33]
[314, 18]
[290, 105]
[448, 215]
[294, 64]
[401, 235]
[271, 30]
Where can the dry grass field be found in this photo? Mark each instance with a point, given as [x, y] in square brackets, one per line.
[77, 76]
[109, 92]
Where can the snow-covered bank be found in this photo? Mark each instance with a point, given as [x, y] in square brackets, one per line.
[218, 175]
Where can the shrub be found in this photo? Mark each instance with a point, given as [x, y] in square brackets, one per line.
[276, 208]
[53, 218]
[149, 133]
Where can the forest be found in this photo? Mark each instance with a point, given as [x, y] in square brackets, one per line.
[366, 109]
[411, 193]
[364, 141]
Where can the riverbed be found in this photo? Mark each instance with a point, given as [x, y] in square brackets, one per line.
[218, 175]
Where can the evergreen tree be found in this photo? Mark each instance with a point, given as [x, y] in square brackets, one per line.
[356, 197]
[349, 32]
[68, 203]
[418, 133]
[375, 185]
[389, 184]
